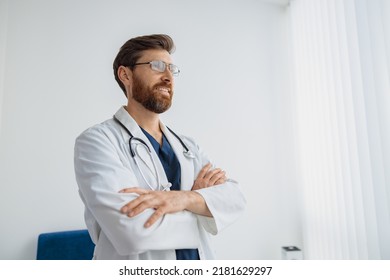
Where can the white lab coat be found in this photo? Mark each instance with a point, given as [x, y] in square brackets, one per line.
[104, 166]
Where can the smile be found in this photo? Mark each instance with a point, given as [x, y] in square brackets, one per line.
[163, 90]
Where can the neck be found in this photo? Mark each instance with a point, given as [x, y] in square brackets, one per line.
[146, 119]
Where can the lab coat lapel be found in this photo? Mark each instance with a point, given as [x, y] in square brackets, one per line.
[186, 164]
[144, 159]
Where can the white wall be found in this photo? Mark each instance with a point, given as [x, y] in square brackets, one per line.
[232, 96]
[3, 35]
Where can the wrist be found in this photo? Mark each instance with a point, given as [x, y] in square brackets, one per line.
[195, 203]
[189, 199]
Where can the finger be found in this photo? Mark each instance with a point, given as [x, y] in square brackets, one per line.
[134, 190]
[211, 173]
[156, 215]
[204, 182]
[221, 181]
[147, 203]
[216, 177]
[129, 207]
[204, 170]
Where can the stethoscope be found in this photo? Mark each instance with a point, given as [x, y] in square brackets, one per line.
[134, 154]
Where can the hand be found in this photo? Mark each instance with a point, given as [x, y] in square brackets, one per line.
[162, 201]
[207, 178]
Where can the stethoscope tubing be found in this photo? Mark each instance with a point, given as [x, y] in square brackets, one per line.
[153, 162]
[134, 153]
[186, 151]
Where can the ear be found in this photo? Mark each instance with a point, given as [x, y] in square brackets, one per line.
[125, 75]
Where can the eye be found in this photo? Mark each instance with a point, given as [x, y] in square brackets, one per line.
[158, 65]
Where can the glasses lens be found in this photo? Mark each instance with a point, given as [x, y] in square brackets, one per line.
[158, 66]
[174, 69]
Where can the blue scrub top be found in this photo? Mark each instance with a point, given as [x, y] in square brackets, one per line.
[172, 169]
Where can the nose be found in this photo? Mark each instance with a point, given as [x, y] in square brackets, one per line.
[167, 76]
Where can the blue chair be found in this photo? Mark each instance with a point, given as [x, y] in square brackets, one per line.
[65, 245]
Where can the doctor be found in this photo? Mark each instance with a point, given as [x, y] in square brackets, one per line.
[149, 193]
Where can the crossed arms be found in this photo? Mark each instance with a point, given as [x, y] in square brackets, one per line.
[136, 220]
[174, 201]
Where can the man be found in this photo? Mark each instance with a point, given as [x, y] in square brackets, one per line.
[148, 193]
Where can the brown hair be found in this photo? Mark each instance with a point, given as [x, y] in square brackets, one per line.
[132, 50]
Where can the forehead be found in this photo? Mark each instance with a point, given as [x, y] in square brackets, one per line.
[150, 55]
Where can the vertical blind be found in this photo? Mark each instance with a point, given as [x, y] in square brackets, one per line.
[341, 69]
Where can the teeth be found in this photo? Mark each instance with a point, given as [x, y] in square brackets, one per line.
[163, 89]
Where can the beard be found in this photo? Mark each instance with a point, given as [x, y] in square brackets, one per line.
[151, 99]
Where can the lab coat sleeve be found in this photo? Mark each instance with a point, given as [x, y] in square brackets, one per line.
[226, 202]
[100, 175]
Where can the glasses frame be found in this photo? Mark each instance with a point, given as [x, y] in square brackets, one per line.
[170, 66]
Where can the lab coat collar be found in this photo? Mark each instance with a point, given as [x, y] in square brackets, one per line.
[127, 120]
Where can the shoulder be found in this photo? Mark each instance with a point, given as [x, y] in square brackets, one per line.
[108, 129]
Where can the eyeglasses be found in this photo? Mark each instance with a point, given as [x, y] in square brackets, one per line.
[160, 66]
